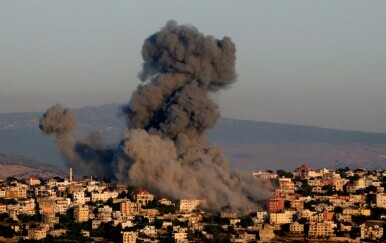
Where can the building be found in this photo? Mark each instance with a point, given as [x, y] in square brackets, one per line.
[266, 235]
[188, 205]
[130, 208]
[50, 219]
[104, 196]
[37, 233]
[81, 214]
[46, 206]
[265, 175]
[381, 200]
[143, 197]
[275, 205]
[320, 230]
[33, 181]
[3, 208]
[261, 217]
[180, 237]
[78, 197]
[372, 229]
[105, 214]
[281, 218]
[129, 237]
[297, 228]
[228, 215]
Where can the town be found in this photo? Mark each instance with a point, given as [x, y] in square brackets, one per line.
[340, 205]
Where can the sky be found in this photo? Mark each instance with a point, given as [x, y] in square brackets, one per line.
[320, 63]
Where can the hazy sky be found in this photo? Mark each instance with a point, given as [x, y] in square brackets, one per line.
[307, 62]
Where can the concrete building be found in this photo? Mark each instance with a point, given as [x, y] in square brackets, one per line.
[297, 228]
[320, 230]
[129, 237]
[37, 233]
[104, 196]
[275, 205]
[81, 214]
[130, 208]
[381, 200]
[143, 197]
[188, 205]
[281, 218]
[372, 229]
[180, 237]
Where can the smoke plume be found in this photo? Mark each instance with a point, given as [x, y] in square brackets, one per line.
[165, 149]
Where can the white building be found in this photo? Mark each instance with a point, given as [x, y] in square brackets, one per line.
[104, 196]
[188, 205]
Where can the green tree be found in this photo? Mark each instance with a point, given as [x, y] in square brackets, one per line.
[372, 189]
[338, 209]
[6, 231]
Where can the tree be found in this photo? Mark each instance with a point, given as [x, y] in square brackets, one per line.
[166, 209]
[328, 189]
[10, 179]
[355, 177]
[287, 204]
[372, 188]
[307, 190]
[231, 229]
[355, 232]
[246, 221]
[338, 209]
[6, 231]
[302, 220]
[286, 174]
[4, 216]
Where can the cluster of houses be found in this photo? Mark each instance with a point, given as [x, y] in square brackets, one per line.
[337, 205]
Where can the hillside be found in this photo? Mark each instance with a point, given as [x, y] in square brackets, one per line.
[23, 167]
[249, 145]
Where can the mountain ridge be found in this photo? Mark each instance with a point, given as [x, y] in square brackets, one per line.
[249, 145]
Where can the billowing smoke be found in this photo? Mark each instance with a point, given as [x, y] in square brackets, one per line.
[164, 148]
[88, 154]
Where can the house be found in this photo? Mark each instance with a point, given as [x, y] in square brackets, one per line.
[320, 230]
[275, 205]
[37, 233]
[296, 228]
[372, 229]
[130, 208]
[188, 205]
[129, 236]
[266, 235]
[143, 197]
[180, 237]
[81, 214]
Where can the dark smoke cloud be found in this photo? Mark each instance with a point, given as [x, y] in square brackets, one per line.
[58, 120]
[165, 149]
[88, 154]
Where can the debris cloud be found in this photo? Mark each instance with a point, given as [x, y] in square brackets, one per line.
[164, 148]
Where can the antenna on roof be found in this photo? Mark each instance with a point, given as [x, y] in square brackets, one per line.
[336, 163]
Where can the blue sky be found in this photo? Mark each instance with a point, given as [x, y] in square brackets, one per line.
[308, 62]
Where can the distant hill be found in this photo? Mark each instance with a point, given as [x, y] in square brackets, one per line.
[249, 145]
[23, 167]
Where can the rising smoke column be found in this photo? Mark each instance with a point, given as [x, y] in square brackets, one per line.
[88, 155]
[170, 113]
[165, 149]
